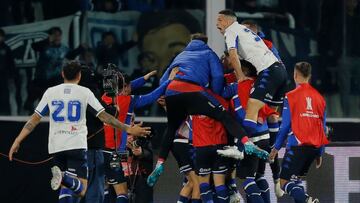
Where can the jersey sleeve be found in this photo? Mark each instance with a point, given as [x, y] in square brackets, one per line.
[43, 108]
[231, 40]
[94, 105]
[284, 127]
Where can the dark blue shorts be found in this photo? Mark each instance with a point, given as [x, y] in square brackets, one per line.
[271, 85]
[297, 161]
[74, 162]
[207, 160]
[183, 153]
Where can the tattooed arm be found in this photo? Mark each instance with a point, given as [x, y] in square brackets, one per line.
[135, 130]
[27, 129]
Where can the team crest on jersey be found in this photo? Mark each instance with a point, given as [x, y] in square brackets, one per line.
[73, 128]
[308, 104]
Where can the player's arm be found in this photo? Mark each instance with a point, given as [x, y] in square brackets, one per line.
[284, 129]
[231, 40]
[135, 130]
[27, 129]
[229, 91]
[139, 82]
[150, 98]
[234, 62]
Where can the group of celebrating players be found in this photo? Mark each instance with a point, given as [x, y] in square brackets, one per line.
[220, 126]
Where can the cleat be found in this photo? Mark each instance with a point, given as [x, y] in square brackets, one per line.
[154, 176]
[250, 149]
[231, 152]
[235, 198]
[277, 188]
[311, 200]
[56, 178]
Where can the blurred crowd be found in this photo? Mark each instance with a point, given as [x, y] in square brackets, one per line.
[333, 23]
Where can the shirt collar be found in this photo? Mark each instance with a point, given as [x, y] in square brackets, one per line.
[234, 24]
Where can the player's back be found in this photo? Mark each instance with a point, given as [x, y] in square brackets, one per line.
[250, 47]
[67, 104]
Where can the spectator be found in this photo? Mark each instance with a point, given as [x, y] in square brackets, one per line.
[7, 70]
[139, 167]
[52, 52]
[96, 177]
[110, 51]
[146, 63]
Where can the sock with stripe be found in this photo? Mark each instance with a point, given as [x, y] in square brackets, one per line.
[295, 191]
[264, 189]
[72, 183]
[206, 193]
[66, 195]
[122, 198]
[183, 199]
[273, 130]
[250, 126]
[253, 194]
[232, 186]
[222, 194]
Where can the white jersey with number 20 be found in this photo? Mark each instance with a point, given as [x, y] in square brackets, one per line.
[67, 104]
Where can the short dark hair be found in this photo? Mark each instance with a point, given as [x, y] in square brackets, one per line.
[228, 12]
[304, 68]
[71, 69]
[199, 36]
[2, 32]
[52, 30]
[252, 23]
[108, 33]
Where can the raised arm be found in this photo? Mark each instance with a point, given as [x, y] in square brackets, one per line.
[27, 129]
[150, 98]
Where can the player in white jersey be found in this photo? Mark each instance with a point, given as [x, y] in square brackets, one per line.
[66, 104]
[270, 84]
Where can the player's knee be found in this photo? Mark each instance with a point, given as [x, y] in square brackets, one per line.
[83, 192]
[254, 105]
[273, 118]
[283, 182]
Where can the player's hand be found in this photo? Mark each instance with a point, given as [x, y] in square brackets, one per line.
[137, 130]
[318, 162]
[173, 73]
[273, 154]
[149, 75]
[14, 149]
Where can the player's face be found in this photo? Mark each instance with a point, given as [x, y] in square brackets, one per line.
[57, 38]
[221, 23]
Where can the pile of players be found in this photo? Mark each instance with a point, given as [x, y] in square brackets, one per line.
[220, 126]
[213, 118]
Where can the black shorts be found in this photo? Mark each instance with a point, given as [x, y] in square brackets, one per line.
[270, 85]
[297, 161]
[207, 160]
[74, 162]
[248, 167]
[183, 155]
[113, 175]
